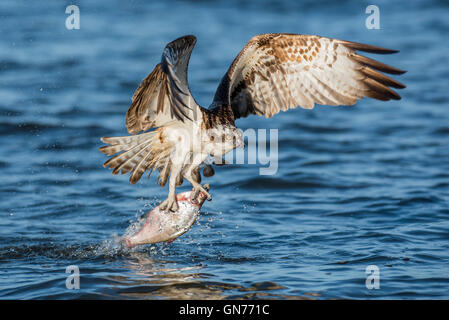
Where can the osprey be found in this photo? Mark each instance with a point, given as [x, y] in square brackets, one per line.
[272, 73]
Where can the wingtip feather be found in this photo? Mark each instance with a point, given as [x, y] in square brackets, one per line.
[367, 48]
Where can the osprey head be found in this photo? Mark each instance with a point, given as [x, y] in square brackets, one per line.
[222, 139]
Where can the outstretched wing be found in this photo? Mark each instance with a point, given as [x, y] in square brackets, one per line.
[277, 72]
[164, 95]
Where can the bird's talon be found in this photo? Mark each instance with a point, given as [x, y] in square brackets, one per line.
[209, 197]
[169, 205]
[174, 207]
[195, 194]
[204, 189]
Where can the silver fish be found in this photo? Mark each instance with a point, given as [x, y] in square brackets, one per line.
[166, 226]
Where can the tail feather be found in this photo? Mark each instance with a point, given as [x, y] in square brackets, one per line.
[152, 160]
[140, 168]
[117, 144]
[141, 152]
[132, 162]
[128, 157]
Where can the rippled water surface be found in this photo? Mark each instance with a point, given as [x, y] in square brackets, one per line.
[355, 186]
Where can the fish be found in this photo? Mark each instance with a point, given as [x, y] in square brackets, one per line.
[166, 226]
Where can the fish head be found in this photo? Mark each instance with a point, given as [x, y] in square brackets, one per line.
[198, 198]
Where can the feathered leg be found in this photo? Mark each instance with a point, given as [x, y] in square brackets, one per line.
[191, 175]
[170, 203]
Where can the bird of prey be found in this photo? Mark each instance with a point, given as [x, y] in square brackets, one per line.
[272, 73]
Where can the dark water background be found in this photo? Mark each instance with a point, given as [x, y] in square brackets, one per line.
[358, 186]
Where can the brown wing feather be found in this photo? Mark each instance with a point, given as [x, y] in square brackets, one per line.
[164, 95]
[277, 72]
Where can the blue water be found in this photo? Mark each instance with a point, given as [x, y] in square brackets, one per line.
[356, 186]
